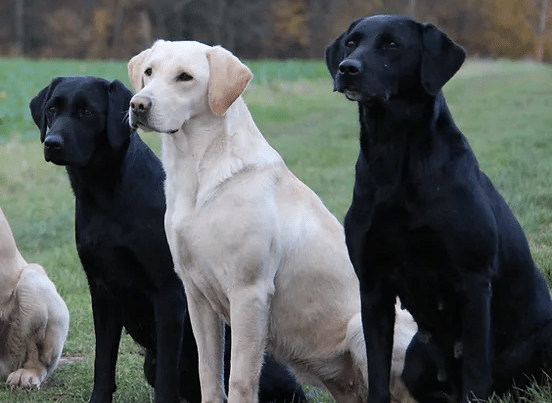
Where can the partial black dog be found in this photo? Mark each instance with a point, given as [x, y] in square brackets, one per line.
[427, 225]
[119, 225]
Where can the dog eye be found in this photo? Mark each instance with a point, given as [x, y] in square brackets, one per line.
[87, 112]
[350, 44]
[184, 77]
[148, 72]
[391, 45]
[52, 109]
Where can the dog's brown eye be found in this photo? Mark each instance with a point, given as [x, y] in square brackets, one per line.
[148, 72]
[184, 77]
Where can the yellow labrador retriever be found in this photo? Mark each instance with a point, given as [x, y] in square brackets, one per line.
[253, 245]
[33, 318]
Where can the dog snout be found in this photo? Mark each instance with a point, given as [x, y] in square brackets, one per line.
[350, 66]
[53, 141]
[140, 104]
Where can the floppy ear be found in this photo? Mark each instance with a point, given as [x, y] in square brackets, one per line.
[441, 59]
[335, 52]
[134, 67]
[117, 126]
[228, 78]
[37, 107]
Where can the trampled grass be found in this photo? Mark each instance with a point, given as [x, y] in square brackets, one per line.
[503, 107]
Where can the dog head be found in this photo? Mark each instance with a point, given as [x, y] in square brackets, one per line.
[177, 81]
[384, 57]
[75, 115]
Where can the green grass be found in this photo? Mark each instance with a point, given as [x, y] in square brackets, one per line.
[503, 107]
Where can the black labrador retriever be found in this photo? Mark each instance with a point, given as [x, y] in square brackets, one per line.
[119, 225]
[427, 225]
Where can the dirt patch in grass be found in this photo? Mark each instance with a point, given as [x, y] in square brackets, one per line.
[65, 359]
[69, 359]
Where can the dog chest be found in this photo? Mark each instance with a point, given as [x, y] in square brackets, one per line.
[417, 259]
[117, 254]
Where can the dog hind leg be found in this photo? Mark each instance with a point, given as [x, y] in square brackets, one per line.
[344, 374]
[356, 370]
[530, 360]
[278, 384]
[33, 370]
[421, 374]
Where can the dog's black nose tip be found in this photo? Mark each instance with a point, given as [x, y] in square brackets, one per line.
[140, 104]
[350, 67]
[53, 141]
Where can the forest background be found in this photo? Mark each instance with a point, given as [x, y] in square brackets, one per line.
[253, 29]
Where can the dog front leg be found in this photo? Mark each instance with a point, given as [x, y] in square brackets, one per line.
[378, 319]
[107, 327]
[170, 308]
[249, 309]
[208, 331]
[476, 337]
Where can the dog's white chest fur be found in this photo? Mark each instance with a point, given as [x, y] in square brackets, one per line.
[215, 185]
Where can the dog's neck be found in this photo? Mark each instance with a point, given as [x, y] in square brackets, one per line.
[398, 140]
[210, 149]
[99, 170]
[398, 116]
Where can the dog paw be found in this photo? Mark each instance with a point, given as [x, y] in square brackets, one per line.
[23, 379]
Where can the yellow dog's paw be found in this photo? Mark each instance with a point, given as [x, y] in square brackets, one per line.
[23, 379]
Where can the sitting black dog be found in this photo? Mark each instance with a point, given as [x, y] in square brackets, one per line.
[427, 225]
[120, 204]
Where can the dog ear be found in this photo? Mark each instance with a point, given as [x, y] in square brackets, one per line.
[441, 59]
[38, 109]
[117, 126]
[228, 78]
[335, 52]
[134, 67]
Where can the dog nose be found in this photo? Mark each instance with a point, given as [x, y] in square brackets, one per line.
[350, 67]
[53, 141]
[140, 104]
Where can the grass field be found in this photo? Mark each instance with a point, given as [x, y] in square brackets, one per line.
[503, 107]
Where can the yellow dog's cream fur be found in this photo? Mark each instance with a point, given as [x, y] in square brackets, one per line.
[33, 318]
[253, 245]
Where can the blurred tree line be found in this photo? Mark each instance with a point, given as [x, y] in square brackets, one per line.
[118, 29]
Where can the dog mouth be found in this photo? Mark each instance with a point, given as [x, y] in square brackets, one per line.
[138, 123]
[343, 85]
[353, 95]
[54, 156]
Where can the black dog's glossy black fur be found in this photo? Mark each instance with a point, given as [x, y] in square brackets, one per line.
[120, 204]
[427, 225]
